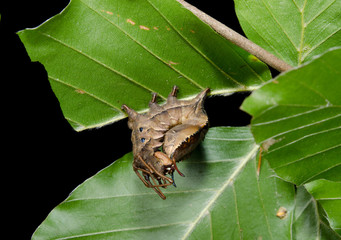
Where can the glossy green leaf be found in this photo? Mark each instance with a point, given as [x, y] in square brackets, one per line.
[102, 54]
[307, 217]
[293, 30]
[328, 194]
[220, 198]
[297, 119]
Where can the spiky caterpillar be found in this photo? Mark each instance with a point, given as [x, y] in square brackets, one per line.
[177, 126]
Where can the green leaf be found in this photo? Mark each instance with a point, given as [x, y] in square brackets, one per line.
[98, 54]
[293, 30]
[307, 217]
[328, 194]
[297, 119]
[220, 198]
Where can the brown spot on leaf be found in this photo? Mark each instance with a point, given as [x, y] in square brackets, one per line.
[281, 213]
[80, 91]
[130, 21]
[144, 28]
[172, 63]
[268, 143]
[107, 12]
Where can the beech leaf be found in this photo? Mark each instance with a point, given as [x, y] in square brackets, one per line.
[220, 197]
[98, 54]
[293, 30]
[297, 120]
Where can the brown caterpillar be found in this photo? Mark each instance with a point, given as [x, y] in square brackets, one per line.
[177, 126]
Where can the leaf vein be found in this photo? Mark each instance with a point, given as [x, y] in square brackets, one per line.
[323, 40]
[85, 92]
[300, 50]
[304, 137]
[291, 116]
[274, 50]
[301, 127]
[263, 207]
[123, 229]
[99, 62]
[319, 13]
[324, 170]
[303, 208]
[281, 27]
[308, 156]
[196, 49]
[145, 48]
[140, 194]
[237, 212]
[220, 191]
[315, 92]
[211, 225]
[327, 199]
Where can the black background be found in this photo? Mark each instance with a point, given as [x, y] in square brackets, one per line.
[43, 158]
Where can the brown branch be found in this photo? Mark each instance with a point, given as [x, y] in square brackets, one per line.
[238, 39]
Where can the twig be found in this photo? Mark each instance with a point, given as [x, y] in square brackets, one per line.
[238, 39]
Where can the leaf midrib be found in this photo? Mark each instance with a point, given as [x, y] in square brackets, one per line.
[140, 194]
[98, 62]
[192, 223]
[123, 229]
[300, 50]
[143, 46]
[301, 55]
[162, 60]
[146, 49]
[316, 35]
[86, 92]
[279, 24]
[203, 55]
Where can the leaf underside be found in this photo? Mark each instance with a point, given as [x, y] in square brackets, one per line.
[102, 54]
[328, 195]
[308, 219]
[293, 30]
[98, 54]
[297, 119]
[220, 196]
